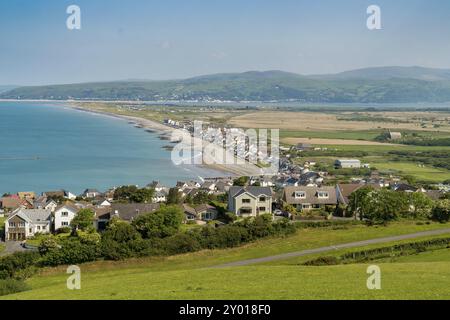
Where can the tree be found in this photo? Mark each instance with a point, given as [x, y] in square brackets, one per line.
[378, 206]
[119, 240]
[133, 194]
[201, 197]
[241, 181]
[441, 211]
[174, 196]
[160, 224]
[83, 220]
[420, 204]
[358, 202]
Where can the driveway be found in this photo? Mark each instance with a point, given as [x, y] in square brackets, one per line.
[11, 247]
[331, 248]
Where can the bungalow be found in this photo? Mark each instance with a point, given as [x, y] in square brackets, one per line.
[129, 211]
[250, 201]
[59, 194]
[102, 217]
[25, 223]
[91, 193]
[308, 198]
[203, 212]
[64, 215]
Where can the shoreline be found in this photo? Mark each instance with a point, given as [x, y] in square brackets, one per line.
[234, 170]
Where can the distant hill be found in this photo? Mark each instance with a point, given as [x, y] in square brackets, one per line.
[385, 73]
[371, 85]
[6, 88]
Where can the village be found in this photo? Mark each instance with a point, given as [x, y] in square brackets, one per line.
[297, 193]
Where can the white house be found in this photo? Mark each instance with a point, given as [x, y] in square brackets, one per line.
[250, 201]
[91, 193]
[64, 215]
[25, 223]
[159, 197]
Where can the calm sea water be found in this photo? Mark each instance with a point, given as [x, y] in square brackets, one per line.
[50, 147]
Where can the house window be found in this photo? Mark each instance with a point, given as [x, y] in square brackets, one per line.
[44, 227]
[262, 209]
[300, 194]
[39, 227]
[12, 224]
[21, 224]
[64, 214]
[246, 211]
[64, 223]
[322, 194]
[262, 199]
[306, 206]
[245, 200]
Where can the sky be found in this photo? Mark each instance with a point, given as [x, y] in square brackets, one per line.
[173, 39]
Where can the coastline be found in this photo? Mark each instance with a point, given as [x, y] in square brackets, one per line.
[228, 170]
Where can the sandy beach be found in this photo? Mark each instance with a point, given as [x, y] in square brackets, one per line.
[244, 169]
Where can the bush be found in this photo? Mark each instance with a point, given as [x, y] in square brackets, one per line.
[441, 211]
[181, 243]
[64, 230]
[47, 245]
[12, 264]
[71, 252]
[10, 286]
[323, 261]
[162, 223]
[118, 241]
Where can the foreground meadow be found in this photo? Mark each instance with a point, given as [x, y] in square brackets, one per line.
[193, 276]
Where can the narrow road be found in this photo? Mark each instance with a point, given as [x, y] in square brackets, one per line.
[335, 247]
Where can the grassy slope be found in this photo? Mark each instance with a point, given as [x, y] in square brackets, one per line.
[185, 276]
[399, 281]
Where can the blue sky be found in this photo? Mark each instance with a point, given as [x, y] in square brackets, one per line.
[145, 39]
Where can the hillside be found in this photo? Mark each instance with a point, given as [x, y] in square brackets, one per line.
[374, 85]
[194, 276]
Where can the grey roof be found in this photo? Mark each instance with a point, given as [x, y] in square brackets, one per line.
[129, 211]
[68, 206]
[34, 215]
[254, 191]
[311, 195]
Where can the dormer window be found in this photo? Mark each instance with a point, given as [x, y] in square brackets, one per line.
[262, 199]
[322, 195]
[300, 194]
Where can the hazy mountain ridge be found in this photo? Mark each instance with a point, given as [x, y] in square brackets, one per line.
[371, 85]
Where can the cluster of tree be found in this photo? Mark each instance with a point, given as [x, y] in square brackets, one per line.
[158, 233]
[241, 181]
[133, 194]
[383, 205]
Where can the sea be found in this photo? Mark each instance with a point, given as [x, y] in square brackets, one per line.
[49, 146]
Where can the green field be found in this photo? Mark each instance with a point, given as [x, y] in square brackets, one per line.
[399, 281]
[426, 173]
[368, 135]
[189, 276]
